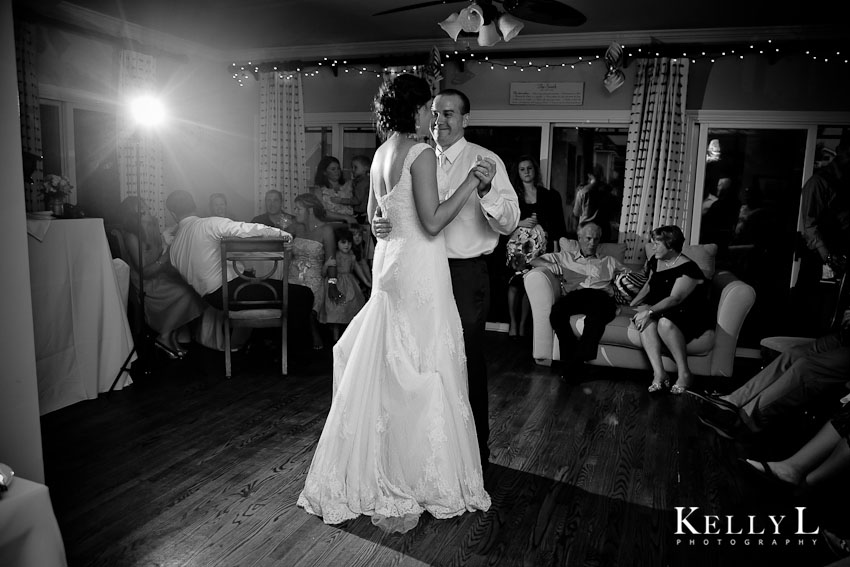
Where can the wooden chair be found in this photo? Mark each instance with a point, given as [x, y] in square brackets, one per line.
[255, 260]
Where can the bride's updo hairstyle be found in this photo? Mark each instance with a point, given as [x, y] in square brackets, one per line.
[397, 103]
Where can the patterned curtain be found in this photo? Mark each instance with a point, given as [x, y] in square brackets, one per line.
[655, 192]
[139, 150]
[30, 109]
[283, 162]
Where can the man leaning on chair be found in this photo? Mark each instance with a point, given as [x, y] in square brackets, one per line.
[195, 252]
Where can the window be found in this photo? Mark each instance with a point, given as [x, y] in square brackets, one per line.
[357, 140]
[96, 164]
[747, 201]
[79, 141]
[318, 144]
[579, 151]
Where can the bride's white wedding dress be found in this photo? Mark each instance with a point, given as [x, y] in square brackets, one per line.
[400, 438]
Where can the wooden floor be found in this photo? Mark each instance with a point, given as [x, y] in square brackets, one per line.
[190, 469]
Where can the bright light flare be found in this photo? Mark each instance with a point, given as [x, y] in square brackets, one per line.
[147, 111]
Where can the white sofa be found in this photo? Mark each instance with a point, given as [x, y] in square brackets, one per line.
[711, 354]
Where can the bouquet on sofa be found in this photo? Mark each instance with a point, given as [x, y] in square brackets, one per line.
[524, 245]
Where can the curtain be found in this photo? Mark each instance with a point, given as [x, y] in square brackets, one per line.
[282, 152]
[655, 191]
[30, 111]
[139, 149]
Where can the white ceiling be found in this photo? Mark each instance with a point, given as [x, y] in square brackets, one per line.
[244, 25]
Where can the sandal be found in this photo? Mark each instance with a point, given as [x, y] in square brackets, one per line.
[169, 352]
[658, 386]
[678, 389]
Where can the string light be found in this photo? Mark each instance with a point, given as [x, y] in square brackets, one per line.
[242, 72]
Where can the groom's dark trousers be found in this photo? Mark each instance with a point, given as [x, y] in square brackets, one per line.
[471, 288]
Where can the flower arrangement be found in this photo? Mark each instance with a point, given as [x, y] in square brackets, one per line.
[55, 187]
[524, 245]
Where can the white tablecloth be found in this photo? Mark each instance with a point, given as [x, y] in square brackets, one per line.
[82, 336]
[29, 534]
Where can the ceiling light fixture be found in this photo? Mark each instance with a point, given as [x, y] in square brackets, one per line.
[483, 18]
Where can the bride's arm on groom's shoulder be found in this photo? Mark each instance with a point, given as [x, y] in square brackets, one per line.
[433, 214]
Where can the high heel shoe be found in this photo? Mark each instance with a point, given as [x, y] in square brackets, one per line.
[169, 352]
[679, 389]
[658, 386]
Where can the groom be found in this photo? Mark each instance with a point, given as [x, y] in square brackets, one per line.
[470, 237]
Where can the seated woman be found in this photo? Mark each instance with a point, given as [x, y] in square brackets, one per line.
[170, 302]
[336, 195]
[672, 307]
[538, 207]
[313, 249]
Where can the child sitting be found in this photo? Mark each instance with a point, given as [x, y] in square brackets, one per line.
[340, 312]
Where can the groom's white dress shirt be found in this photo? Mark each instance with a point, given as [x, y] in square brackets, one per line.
[476, 228]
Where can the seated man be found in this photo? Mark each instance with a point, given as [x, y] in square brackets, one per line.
[195, 252]
[802, 374]
[587, 289]
[274, 216]
[218, 206]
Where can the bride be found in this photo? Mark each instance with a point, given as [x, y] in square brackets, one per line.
[400, 438]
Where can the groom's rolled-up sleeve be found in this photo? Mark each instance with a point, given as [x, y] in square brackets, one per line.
[500, 204]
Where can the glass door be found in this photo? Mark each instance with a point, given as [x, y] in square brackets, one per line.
[747, 203]
[578, 152]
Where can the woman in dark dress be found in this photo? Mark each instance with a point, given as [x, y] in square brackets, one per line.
[539, 208]
[673, 307]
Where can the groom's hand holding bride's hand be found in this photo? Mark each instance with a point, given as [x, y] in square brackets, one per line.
[484, 169]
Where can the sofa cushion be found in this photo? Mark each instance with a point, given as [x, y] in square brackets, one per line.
[702, 254]
[615, 249]
[621, 332]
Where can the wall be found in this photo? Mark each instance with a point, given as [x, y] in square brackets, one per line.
[20, 428]
[487, 89]
[755, 83]
[210, 140]
[792, 83]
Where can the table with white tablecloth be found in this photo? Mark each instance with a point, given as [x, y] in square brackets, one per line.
[82, 336]
[29, 533]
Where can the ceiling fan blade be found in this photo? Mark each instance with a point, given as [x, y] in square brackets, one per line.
[420, 5]
[549, 12]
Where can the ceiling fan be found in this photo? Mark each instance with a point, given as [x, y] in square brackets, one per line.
[549, 12]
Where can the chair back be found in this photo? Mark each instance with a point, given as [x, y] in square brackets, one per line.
[251, 299]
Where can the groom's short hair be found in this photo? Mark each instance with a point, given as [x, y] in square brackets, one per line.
[463, 98]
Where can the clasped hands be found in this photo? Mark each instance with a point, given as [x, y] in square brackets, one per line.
[642, 318]
[484, 170]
